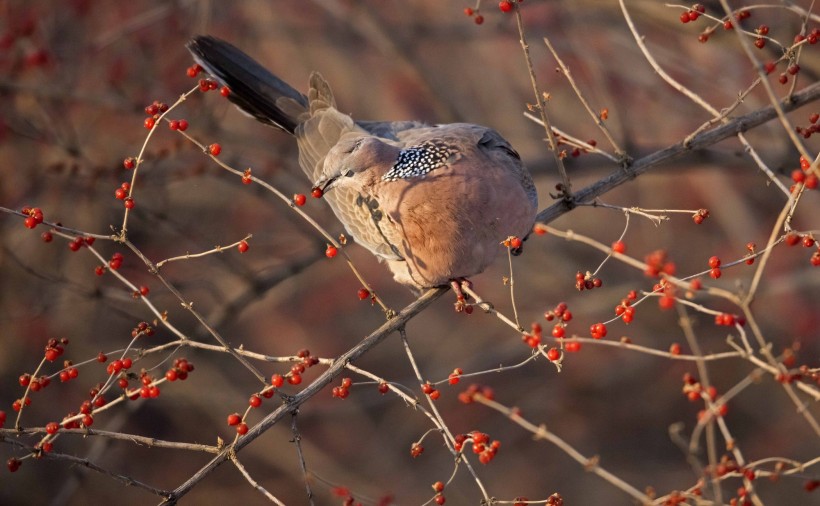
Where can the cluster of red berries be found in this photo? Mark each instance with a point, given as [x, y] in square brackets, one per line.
[625, 309]
[178, 125]
[154, 111]
[142, 328]
[597, 330]
[294, 377]
[54, 348]
[247, 176]
[477, 18]
[118, 365]
[693, 13]
[729, 320]
[667, 290]
[792, 70]
[802, 175]
[533, 337]
[714, 266]
[121, 193]
[700, 215]
[693, 390]
[482, 446]
[33, 384]
[114, 263]
[512, 242]
[563, 315]
[34, 216]
[343, 390]
[206, 85]
[811, 38]
[808, 131]
[658, 262]
[430, 391]
[792, 239]
[236, 420]
[455, 376]
[78, 242]
[586, 281]
[180, 370]
[438, 488]
[193, 70]
[468, 395]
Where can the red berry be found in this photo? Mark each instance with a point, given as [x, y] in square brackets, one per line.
[277, 380]
[808, 241]
[224, 91]
[129, 163]
[714, 262]
[52, 427]
[242, 429]
[317, 193]
[149, 123]
[715, 273]
[468, 11]
[760, 43]
[479, 19]
[46, 236]
[13, 464]
[182, 125]
[619, 247]
[792, 239]
[515, 243]
[505, 6]
[558, 331]
[573, 346]
[295, 379]
[363, 293]
[598, 330]
[129, 203]
[331, 251]
[674, 349]
[234, 419]
[214, 149]
[299, 199]
[255, 401]
[553, 354]
[243, 246]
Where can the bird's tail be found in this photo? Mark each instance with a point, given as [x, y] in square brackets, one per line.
[252, 87]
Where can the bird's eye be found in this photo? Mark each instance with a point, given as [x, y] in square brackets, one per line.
[354, 146]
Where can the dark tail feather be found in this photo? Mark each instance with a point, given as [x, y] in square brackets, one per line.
[253, 88]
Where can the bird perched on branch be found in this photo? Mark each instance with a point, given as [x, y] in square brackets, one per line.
[434, 202]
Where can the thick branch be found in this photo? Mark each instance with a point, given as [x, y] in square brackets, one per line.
[700, 141]
[297, 400]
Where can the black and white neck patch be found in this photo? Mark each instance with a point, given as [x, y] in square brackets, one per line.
[417, 161]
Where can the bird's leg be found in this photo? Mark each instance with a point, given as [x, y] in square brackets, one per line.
[461, 297]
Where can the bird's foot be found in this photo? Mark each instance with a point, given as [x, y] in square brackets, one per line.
[461, 304]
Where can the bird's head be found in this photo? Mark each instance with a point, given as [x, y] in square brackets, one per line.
[354, 157]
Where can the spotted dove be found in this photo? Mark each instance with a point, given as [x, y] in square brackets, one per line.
[433, 202]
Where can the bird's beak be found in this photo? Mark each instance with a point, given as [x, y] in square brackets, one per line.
[326, 184]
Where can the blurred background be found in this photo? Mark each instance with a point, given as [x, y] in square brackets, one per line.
[75, 77]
